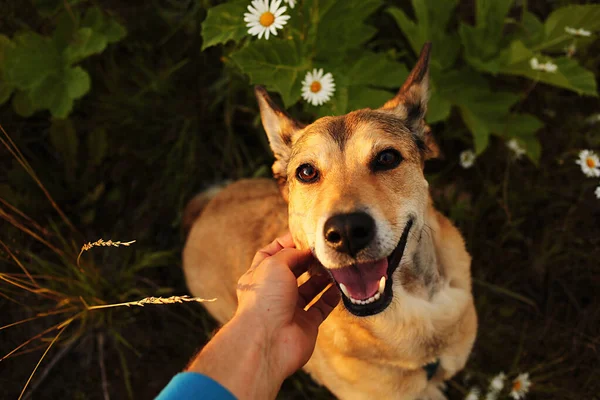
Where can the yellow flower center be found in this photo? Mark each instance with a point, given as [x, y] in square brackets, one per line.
[266, 19]
[590, 162]
[315, 87]
[517, 386]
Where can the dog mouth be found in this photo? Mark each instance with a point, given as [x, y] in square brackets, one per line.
[367, 287]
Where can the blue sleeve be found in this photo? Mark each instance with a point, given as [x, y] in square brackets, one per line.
[191, 385]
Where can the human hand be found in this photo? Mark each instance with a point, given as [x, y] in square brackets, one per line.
[270, 299]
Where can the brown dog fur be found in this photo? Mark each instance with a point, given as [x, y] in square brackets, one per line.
[431, 315]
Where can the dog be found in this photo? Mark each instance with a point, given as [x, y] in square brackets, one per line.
[351, 189]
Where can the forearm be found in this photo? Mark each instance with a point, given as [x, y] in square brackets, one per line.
[238, 358]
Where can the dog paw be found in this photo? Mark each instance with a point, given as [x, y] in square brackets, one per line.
[433, 391]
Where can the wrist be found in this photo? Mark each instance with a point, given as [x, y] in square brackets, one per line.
[239, 358]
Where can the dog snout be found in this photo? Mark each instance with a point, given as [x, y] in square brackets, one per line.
[349, 233]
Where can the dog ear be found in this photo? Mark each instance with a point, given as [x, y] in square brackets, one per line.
[281, 130]
[410, 103]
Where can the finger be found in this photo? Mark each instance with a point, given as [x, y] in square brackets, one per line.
[273, 248]
[311, 288]
[297, 260]
[319, 311]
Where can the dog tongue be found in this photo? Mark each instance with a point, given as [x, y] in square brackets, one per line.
[361, 280]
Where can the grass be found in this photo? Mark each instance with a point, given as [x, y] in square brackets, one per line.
[165, 120]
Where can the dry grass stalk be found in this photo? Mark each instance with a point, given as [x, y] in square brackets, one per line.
[101, 243]
[154, 300]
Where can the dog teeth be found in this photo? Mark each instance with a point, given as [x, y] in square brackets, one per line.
[344, 290]
[381, 285]
[371, 299]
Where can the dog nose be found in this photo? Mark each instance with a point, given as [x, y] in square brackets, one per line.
[349, 233]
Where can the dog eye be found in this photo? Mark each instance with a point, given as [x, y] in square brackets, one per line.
[385, 160]
[307, 173]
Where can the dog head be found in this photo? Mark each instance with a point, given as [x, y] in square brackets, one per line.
[355, 187]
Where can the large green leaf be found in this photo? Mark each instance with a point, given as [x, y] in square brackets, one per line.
[58, 91]
[31, 60]
[530, 30]
[22, 104]
[359, 80]
[432, 18]
[577, 16]
[523, 128]
[224, 22]
[375, 69]
[569, 74]
[96, 32]
[482, 42]
[484, 111]
[338, 26]
[438, 108]
[277, 64]
[85, 42]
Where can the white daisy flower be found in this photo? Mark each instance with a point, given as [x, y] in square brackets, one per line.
[548, 66]
[497, 384]
[577, 32]
[516, 148]
[292, 3]
[589, 163]
[467, 159]
[473, 394]
[520, 386]
[265, 19]
[317, 88]
[597, 192]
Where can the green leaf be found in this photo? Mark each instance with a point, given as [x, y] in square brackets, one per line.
[277, 64]
[58, 91]
[523, 128]
[113, 31]
[569, 74]
[432, 18]
[85, 42]
[94, 35]
[77, 81]
[438, 109]
[106, 27]
[483, 41]
[577, 16]
[31, 60]
[66, 26]
[484, 111]
[367, 97]
[64, 140]
[224, 22]
[339, 26]
[531, 30]
[22, 104]
[375, 69]
[52, 94]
